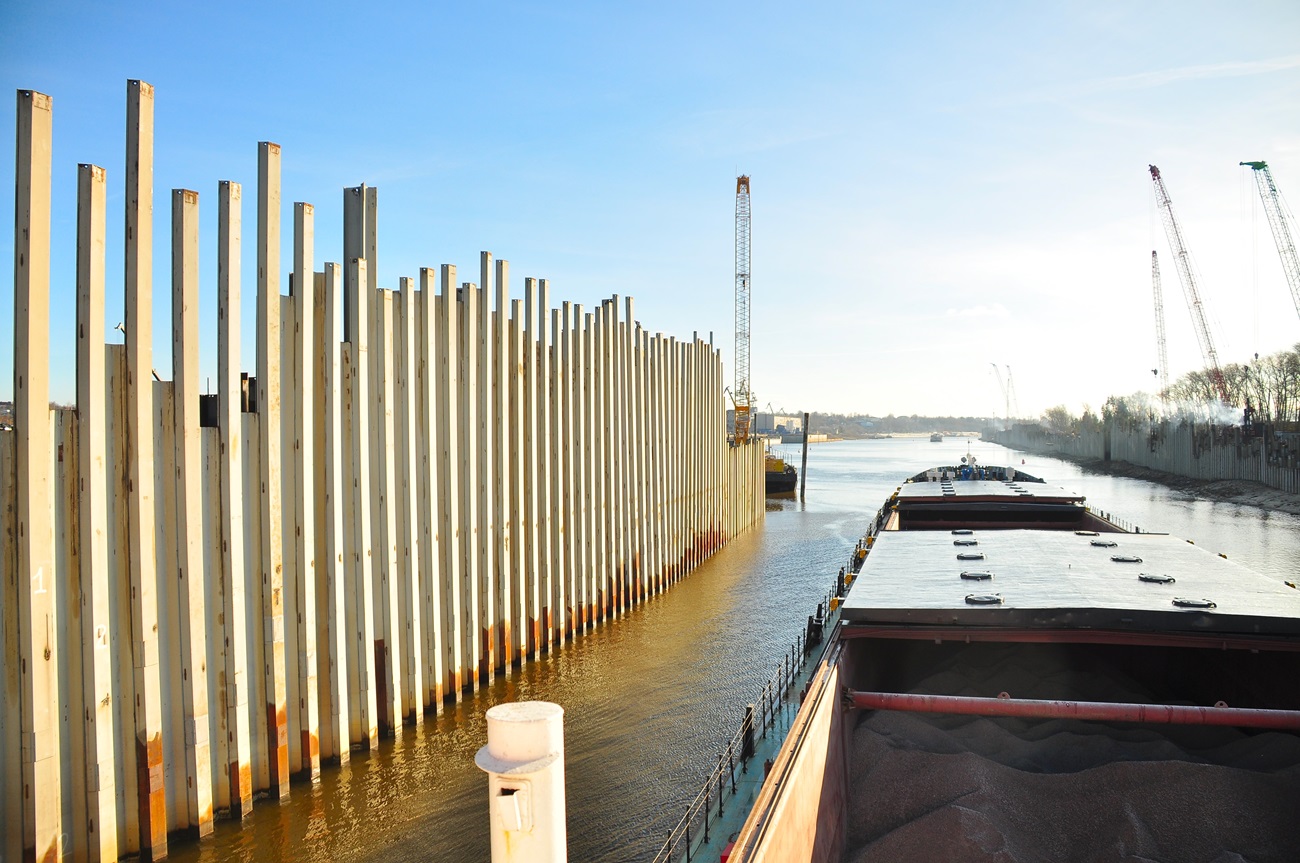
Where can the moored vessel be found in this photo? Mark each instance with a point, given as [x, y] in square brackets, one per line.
[780, 477]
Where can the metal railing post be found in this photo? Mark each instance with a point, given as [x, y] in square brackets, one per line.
[708, 788]
[720, 787]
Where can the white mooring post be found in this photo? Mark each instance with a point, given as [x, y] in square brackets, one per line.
[524, 760]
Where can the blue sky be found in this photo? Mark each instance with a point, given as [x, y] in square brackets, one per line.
[935, 188]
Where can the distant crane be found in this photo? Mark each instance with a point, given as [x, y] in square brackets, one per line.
[1277, 221]
[1006, 388]
[741, 395]
[1184, 263]
[1011, 390]
[1162, 351]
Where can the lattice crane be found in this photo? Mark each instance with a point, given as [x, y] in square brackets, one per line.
[1011, 396]
[1162, 350]
[1184, 264]
[1278, 222]
[1005, 388]
[741, 395]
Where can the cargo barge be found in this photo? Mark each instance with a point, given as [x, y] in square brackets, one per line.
[1009, 674]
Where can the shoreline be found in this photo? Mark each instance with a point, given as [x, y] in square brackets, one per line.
[1243, 492]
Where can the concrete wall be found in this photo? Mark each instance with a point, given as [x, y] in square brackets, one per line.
[1196, 450]
[798, 438]
[436, 484]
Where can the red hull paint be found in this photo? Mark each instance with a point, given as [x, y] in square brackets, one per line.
[1074, 636]
[1151, 714]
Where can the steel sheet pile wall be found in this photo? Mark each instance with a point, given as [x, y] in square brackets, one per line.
[1203, 451]
[1210, 452]
[418, 490]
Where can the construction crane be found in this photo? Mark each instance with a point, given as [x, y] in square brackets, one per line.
[1162, 351]
[1011, 397]
[1278, 222]
[741, 395]
[1184, 263]
[1005, 388]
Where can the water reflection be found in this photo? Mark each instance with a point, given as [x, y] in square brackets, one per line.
[651, 700]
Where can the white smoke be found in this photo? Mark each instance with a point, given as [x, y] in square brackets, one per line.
[1217, 413]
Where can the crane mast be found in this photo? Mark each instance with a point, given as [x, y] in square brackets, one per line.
[1012, 402]
[1184, 264]
[1162, 351]
[1277, 221]
[741, 394]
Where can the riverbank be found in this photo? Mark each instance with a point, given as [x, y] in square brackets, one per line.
[1244, 492]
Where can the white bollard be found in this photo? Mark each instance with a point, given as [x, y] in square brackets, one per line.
[524, 760]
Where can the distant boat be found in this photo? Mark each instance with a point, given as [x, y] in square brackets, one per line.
[936, 438]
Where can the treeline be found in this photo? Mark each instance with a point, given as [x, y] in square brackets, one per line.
[1265, 391]
[1270, 385]
[862, 425]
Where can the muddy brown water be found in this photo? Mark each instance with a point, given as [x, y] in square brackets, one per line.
[651, 699]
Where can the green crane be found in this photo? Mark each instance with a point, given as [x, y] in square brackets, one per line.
[1277, 220]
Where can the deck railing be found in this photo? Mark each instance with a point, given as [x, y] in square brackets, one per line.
[772, 712]
[1122, 523]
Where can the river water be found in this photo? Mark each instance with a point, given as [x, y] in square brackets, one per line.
[651, 699]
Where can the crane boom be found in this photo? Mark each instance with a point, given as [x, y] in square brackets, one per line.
[1277, 221]
[1006, 396]
[1162, 351]
[1184, 263]
[741, 394]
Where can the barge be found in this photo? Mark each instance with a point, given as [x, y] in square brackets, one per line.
[780, 477]
[1011, 675]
